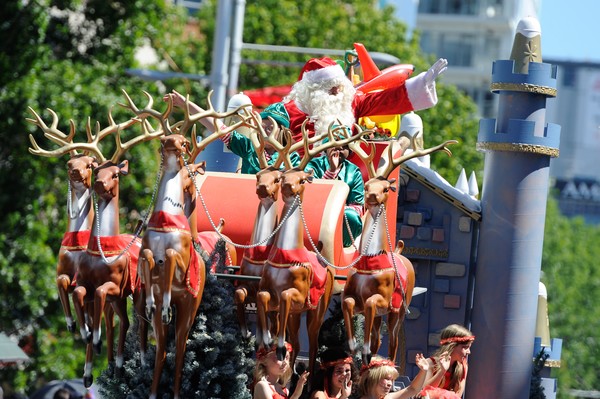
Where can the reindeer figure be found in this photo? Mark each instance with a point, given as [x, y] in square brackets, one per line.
[107, 271]
[172, 271]
[268, 184]
[381, 282]
[79, 207]
[292, 280]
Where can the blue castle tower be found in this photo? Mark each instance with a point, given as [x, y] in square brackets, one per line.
[518, 146]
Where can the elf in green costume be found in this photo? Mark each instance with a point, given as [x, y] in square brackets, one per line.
[334, 164]
[240, 144]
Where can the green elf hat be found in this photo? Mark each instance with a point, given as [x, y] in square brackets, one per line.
[342, 132]
[278, 112]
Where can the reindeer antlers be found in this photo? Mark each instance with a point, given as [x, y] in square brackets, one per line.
[390, 163]
[332, 135]
[66, 141]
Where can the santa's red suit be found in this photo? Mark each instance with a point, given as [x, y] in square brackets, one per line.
[415, 94]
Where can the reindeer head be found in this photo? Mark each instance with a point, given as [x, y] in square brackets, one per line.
[80, 169]
[106, 178]
[268, 183]
[378, 186]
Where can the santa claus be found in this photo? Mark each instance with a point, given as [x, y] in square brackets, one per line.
[324, 94]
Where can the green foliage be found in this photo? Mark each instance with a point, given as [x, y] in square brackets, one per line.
[572, 279]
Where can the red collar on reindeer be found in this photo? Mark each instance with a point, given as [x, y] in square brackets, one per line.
[163, 221]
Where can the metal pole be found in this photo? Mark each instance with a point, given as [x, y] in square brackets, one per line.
[236, 46]
[220, 55]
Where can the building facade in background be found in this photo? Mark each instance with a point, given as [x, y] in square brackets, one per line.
[576, 108]
[470, 34]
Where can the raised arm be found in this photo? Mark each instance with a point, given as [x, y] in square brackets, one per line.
[437, 372]
[417, 383]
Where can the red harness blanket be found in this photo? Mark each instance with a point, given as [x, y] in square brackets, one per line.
[284, 258]
[166, 222]
[257, 255]
[114, 246]
[371, 264]
[75, 241]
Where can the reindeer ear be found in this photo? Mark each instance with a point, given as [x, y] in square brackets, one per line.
[200, 167]
[393, 188]
[310, 178]
[124, 167]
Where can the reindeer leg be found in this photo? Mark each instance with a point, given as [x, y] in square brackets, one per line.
[63, 282]
[160, 334]
[394, 324]
[120, 308]
[173, 259]
[139, 304]
[146, 268]
[289, 296]
[78, 304]
[88, 377]
[240, 301]
[370, 312]
[293, 332]
[185, 318]
[313, 324]
[109, 322]
[376, 335]
[262, 307]
[348, 310]
[108, 288]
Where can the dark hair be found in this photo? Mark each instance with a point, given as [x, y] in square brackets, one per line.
[62, 393]
[327, 359]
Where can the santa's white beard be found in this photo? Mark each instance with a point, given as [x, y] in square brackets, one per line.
[324, 108]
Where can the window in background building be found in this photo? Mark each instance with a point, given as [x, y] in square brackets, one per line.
[457, 49]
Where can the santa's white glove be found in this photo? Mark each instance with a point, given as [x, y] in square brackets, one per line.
[436, 70]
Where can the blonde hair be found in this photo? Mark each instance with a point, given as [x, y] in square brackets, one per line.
[450, 337]
[261, 369]
[378, 369]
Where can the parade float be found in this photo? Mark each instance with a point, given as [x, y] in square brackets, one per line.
[436, 245]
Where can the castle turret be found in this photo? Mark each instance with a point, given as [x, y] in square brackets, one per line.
[518, 146]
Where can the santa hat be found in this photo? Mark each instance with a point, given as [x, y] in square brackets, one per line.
[318, 70]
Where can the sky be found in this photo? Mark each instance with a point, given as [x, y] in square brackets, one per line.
[570, 30]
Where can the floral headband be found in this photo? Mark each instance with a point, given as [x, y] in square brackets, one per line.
[376, 363]
[264, 352]
[334, 363]
[468, 338]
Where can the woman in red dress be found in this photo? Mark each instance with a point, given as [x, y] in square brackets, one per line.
[448, 379]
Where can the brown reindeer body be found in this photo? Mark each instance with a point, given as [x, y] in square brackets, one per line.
[288, 275]
[75, 240]
[268, 183]
[380, 281]
[171, 269]
[103, 281]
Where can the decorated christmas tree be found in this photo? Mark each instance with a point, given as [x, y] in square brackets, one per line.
[218, 362]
